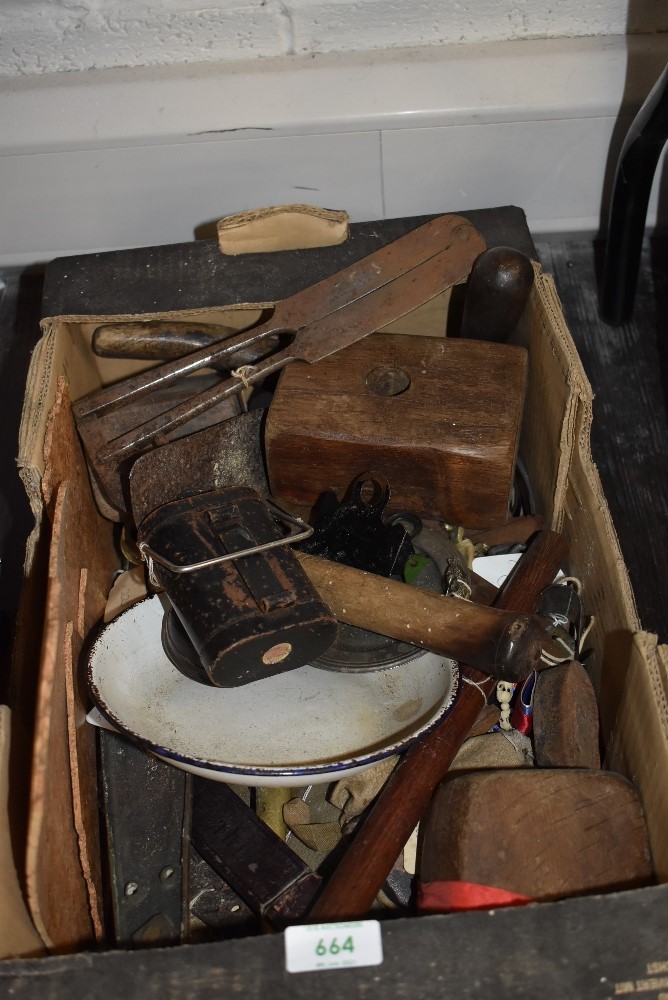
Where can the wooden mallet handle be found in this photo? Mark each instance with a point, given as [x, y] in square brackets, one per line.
[356, 881]
[496, 295]
[498, 642]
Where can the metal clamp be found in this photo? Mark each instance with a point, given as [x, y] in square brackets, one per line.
[305, 531]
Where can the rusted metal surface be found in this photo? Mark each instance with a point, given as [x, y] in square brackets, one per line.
[159, 402]
[146, 812]
[324, 318]
[227, 454]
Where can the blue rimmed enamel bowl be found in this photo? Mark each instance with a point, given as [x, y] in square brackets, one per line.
[298, 728]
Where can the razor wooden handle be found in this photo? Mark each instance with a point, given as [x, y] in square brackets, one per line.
[355, 883]
[157, 340]
[500, 643]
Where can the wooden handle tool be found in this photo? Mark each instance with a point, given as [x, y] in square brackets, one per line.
[155, 340]
[500, 643]
[496, 294]
[322, 319]
[354, 884]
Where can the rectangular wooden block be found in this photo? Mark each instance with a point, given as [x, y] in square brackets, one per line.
[542, 833]
[438, 417]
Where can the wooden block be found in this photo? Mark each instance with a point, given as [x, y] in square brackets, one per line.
[565, 718]
[439, 418]
[544, 834]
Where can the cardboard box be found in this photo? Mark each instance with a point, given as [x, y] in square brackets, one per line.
[63, 861]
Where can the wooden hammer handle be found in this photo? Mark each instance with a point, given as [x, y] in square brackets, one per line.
[500, 643]
[356, 881]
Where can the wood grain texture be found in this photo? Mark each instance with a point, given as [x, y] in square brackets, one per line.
[54, 877]
[63, 864]
[358, 877]
[565, 718]
[545, 834]
[446, 442]
[500, 643]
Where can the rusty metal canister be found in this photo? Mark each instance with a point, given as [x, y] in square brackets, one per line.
[248, 616]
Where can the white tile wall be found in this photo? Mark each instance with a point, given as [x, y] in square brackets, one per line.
[553, 169]
[105, 160]
[97, 199]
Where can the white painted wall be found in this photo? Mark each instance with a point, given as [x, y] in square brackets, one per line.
[105, 159]
[45, 36]
[135, 123]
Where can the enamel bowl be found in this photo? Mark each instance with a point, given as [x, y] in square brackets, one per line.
[305, 726]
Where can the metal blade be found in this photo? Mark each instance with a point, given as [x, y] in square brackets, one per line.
[371, 301]
[339, 291]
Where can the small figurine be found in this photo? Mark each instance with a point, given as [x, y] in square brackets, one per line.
[504, 694]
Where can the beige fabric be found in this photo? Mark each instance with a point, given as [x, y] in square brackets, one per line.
[492, 750]
[18, 937]
[321, 837]
[352, 795]
[283, 227]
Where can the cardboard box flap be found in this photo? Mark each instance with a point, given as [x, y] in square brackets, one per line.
[634, 711]
[563, 472]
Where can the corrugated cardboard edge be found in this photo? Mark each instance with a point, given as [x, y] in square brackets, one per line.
[641, 720]
[576, 435]
[281, 227]
[38, 399]
[64, 806]
[55, 881]
[632, 679]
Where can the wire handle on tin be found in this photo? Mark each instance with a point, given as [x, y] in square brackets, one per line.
[303, 531]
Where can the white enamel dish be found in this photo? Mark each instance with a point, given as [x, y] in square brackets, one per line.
[298, 728]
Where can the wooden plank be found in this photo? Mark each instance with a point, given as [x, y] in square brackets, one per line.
[523, 831]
